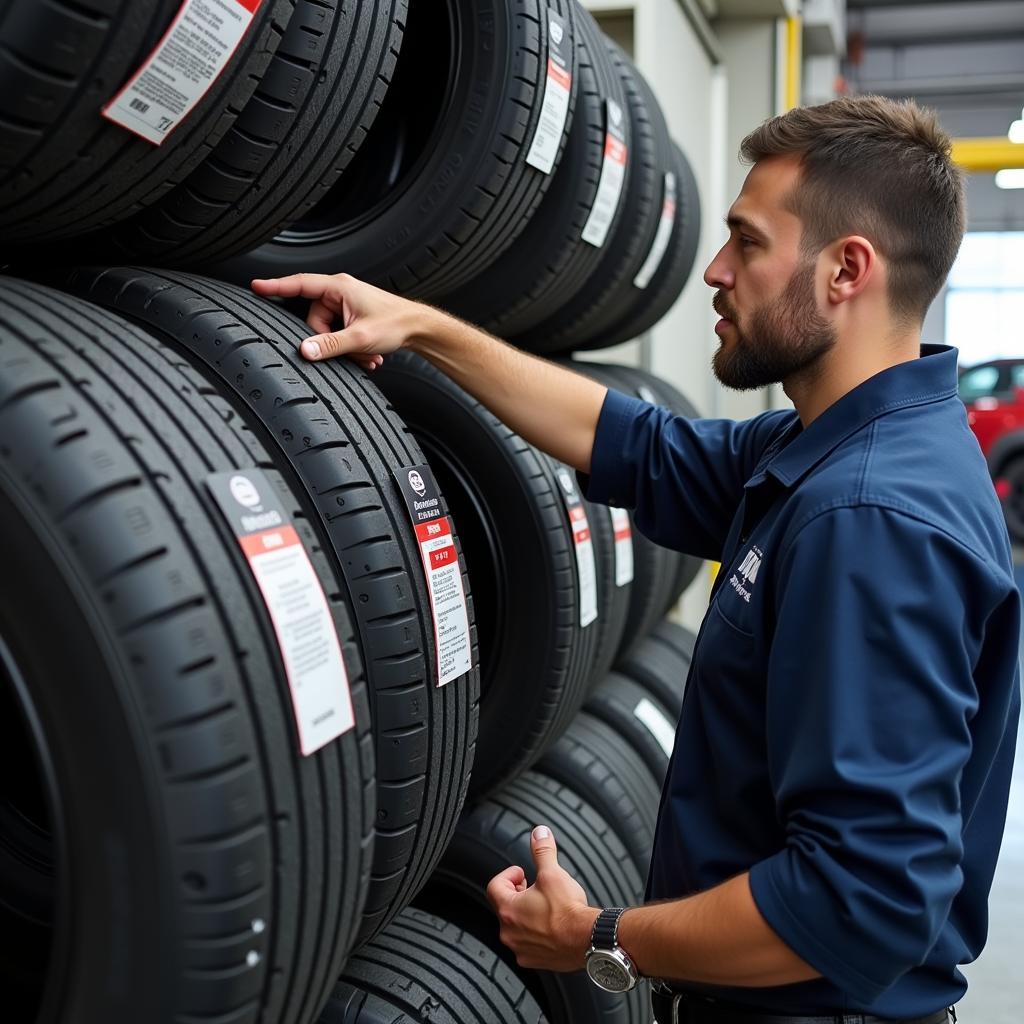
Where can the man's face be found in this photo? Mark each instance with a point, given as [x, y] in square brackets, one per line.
[772, 327]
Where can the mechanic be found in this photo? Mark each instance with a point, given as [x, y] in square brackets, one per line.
[835, 803]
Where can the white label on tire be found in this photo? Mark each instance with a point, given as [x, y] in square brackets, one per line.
[661, 236]
[613, 174]
[586, 566]
[185, 63]
[436, 540]
[658, 725]
[295, 600]
[447, 599]
[554, 109]
[623, 546]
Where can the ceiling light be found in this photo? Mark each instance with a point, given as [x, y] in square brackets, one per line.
[1012, 177]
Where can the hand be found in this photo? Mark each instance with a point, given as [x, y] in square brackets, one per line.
[373, 321]
[548, 924]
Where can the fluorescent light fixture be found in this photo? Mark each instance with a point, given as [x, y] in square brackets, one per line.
[1016, 132]
[1011, 177]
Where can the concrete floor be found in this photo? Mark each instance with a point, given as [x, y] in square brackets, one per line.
[995, 993]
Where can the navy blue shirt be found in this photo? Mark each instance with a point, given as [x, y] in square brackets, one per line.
[849, 721]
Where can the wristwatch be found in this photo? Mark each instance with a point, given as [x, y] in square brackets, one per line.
[608, 964]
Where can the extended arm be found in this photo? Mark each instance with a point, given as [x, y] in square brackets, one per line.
[551, 407]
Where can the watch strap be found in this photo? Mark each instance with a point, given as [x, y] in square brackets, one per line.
[606, 928]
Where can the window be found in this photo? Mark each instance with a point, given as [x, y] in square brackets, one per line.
[979, 382]
[985, 300]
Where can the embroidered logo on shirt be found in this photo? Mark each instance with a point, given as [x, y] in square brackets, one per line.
[746, 575]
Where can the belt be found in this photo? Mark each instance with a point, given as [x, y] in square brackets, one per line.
[674, 1007]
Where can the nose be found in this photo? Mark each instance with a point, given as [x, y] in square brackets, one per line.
[718, 273]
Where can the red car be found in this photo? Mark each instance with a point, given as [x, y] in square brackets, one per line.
[994, 395]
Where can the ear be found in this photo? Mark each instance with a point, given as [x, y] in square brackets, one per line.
[854, 265]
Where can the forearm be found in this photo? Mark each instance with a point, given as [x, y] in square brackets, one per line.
[717, 937]
[551, 407]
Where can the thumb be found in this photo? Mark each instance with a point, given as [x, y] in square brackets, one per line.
[545, 853]
[328, 345]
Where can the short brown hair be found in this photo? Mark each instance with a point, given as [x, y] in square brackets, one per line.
[880, 168]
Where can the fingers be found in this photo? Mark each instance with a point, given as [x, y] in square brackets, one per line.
[308, 286]
[545, 853]
[505, 885]
[331, 344]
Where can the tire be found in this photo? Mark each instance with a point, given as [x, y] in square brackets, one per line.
[73, 171]
[648, 305]
[661, 664]
[638, 716]
[154, 746]
[537, 658]
[290, 144]
[424, 968]
[596, 763]
[338, 443]
[583, 316]
[495, 833]
[613, 600]
[549, 262]
[430, 200]
[1013, 503]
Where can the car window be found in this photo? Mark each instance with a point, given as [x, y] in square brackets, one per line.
[1017, 376]
[980, 382]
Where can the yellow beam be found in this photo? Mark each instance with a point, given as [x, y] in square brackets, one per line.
[987, 155]
[794, 62]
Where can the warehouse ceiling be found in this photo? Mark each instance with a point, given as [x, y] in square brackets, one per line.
[966, 59]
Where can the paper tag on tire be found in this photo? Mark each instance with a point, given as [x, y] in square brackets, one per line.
[436, 540]
[623, 531]
[178, 73]
[295, 600]
[657, 724]
[554, 108]
[583, 543]
[661, 237]
[613, 174]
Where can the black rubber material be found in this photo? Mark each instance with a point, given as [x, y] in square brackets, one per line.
[225, 872]
[441, 188]
[506, 498]
[74, 171]
[648, 305]
[290, 144]
[333, 434]
[495, 833]
[615, 701]
[655, 569]
[613, 601]
[583, 316]
[596, 763]
[549, 262]
[660, 663]
[425, 969]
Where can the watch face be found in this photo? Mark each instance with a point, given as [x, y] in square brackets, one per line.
[606, 972]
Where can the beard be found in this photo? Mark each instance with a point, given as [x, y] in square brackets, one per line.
[786, 337]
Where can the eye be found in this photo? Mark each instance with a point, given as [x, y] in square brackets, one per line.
[747, 242]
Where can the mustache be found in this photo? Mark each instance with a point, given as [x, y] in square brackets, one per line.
[721, 306]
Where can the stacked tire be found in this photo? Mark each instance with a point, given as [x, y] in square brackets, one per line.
[255, 744]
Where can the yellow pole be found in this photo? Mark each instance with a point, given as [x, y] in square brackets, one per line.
[988, 155]
[794, 62]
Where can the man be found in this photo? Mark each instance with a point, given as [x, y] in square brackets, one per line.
[835, 803]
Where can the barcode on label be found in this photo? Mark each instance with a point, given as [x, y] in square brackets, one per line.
[139, 105]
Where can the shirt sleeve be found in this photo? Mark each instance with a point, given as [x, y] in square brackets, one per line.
[683, 478]
[870, 695]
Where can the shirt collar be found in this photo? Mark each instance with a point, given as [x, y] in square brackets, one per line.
[931, 378]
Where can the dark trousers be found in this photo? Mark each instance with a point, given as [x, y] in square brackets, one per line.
[688, 1008]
